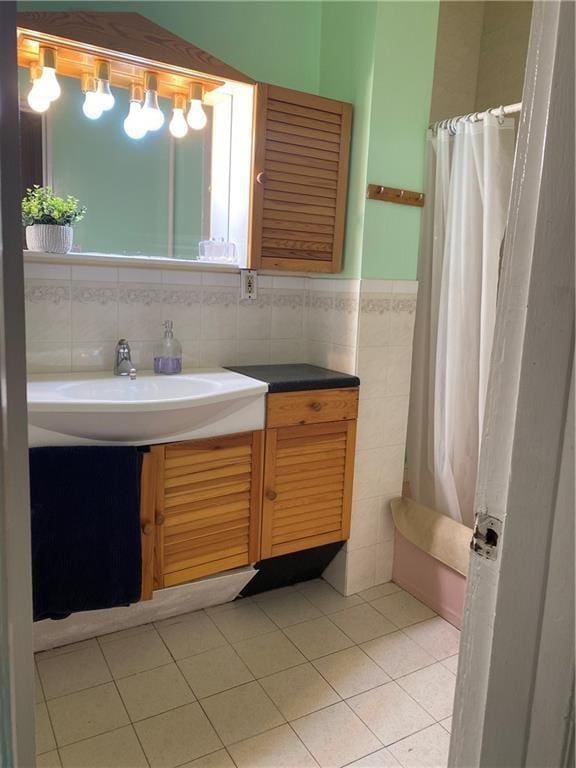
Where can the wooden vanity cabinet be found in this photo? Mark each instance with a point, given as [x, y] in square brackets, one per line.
[208, 496]
[308, 469]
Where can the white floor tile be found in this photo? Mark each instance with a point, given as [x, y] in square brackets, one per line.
[289, 608]
[299, 691]
[390, 712]
[87, 713]
[381, 590]
[336, 736]
[195, 635]
[380, 759]
[136, 653]
[215, 671]
[278, 748]
[177, 736]
[451, 664]
[70, 648]
[244, 622]
[351, 672]
[325, 597]
[362, 623]
[48, 760]
[115, 749]
[38, 692]
[241, 712]
[402, 609]
[436, 636]
[447, 724]
[397, 654]
[219, 759]
[318, 637]
[155, 691]
[74, 671]
[433, 688]
[44, 736]
[426, 749]
[269, 653]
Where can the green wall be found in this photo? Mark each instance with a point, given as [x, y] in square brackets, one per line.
[378, 54]
[402, 86]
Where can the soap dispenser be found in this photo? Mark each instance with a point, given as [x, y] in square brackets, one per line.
[168, 354]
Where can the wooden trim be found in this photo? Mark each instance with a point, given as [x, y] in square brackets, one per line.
[159, 453]
[147, 516]
[258, 449]
[268, 486]
[129, 35]
[257, 190]
[348, 479]
[342, 198]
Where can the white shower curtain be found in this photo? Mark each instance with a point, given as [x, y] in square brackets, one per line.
[468, 188]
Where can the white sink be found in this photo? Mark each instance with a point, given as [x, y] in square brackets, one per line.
[84, 409]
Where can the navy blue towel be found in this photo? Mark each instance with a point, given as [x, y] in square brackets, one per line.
[85, 529]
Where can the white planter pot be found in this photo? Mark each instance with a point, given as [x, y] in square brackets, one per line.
[50, 238]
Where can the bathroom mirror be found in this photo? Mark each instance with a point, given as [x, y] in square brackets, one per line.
[159, 196]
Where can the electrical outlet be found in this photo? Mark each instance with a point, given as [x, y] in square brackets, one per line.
[248, 284]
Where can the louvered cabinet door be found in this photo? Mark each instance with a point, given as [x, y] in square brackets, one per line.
[307, 498]
[301, 156]
[208, 506]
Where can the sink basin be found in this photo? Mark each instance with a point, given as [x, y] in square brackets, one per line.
[79, 409]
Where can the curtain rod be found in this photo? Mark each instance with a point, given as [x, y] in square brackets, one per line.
[474, 117]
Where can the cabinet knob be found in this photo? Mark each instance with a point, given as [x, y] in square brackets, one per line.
[160, 519]
[147, 529]
[316, 406]
[271, 495]
[261, 178]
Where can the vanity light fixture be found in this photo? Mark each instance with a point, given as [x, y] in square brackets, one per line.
[103, 92]
[45, 85]
[196, 116]
[134, 125]
[152, 115]
[91, 106]
[178, 125]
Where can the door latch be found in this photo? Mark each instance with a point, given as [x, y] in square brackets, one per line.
[486, 535]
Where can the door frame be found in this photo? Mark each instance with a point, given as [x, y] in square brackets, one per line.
[17, 742]
[500, 688]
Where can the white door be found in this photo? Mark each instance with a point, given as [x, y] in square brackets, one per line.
[515, 684]
[16, 660]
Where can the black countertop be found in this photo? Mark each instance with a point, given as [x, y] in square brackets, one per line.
[294, 377]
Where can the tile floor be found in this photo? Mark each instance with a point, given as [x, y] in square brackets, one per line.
[292, 678]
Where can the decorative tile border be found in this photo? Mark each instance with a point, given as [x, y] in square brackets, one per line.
[94, 294]
[387, 303]
[47, 293]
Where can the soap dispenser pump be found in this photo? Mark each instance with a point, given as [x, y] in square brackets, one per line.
[168, 354]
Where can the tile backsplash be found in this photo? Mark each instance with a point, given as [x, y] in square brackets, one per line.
[75, 315]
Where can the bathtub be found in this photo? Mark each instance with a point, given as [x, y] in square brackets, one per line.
[431, 557]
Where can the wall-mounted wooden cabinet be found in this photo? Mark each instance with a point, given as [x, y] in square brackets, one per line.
[301, 155]
[211, 505]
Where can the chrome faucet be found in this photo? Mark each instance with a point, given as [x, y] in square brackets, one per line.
[123, 361]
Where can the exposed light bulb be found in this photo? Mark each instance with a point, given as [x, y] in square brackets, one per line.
[178, 125]
[152, 115]
[92, 107]
[134, 124]
[196, 116]
[104, 94]
[49, 83]
[37, 99]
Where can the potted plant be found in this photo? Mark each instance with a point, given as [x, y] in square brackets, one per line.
[48, 220]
